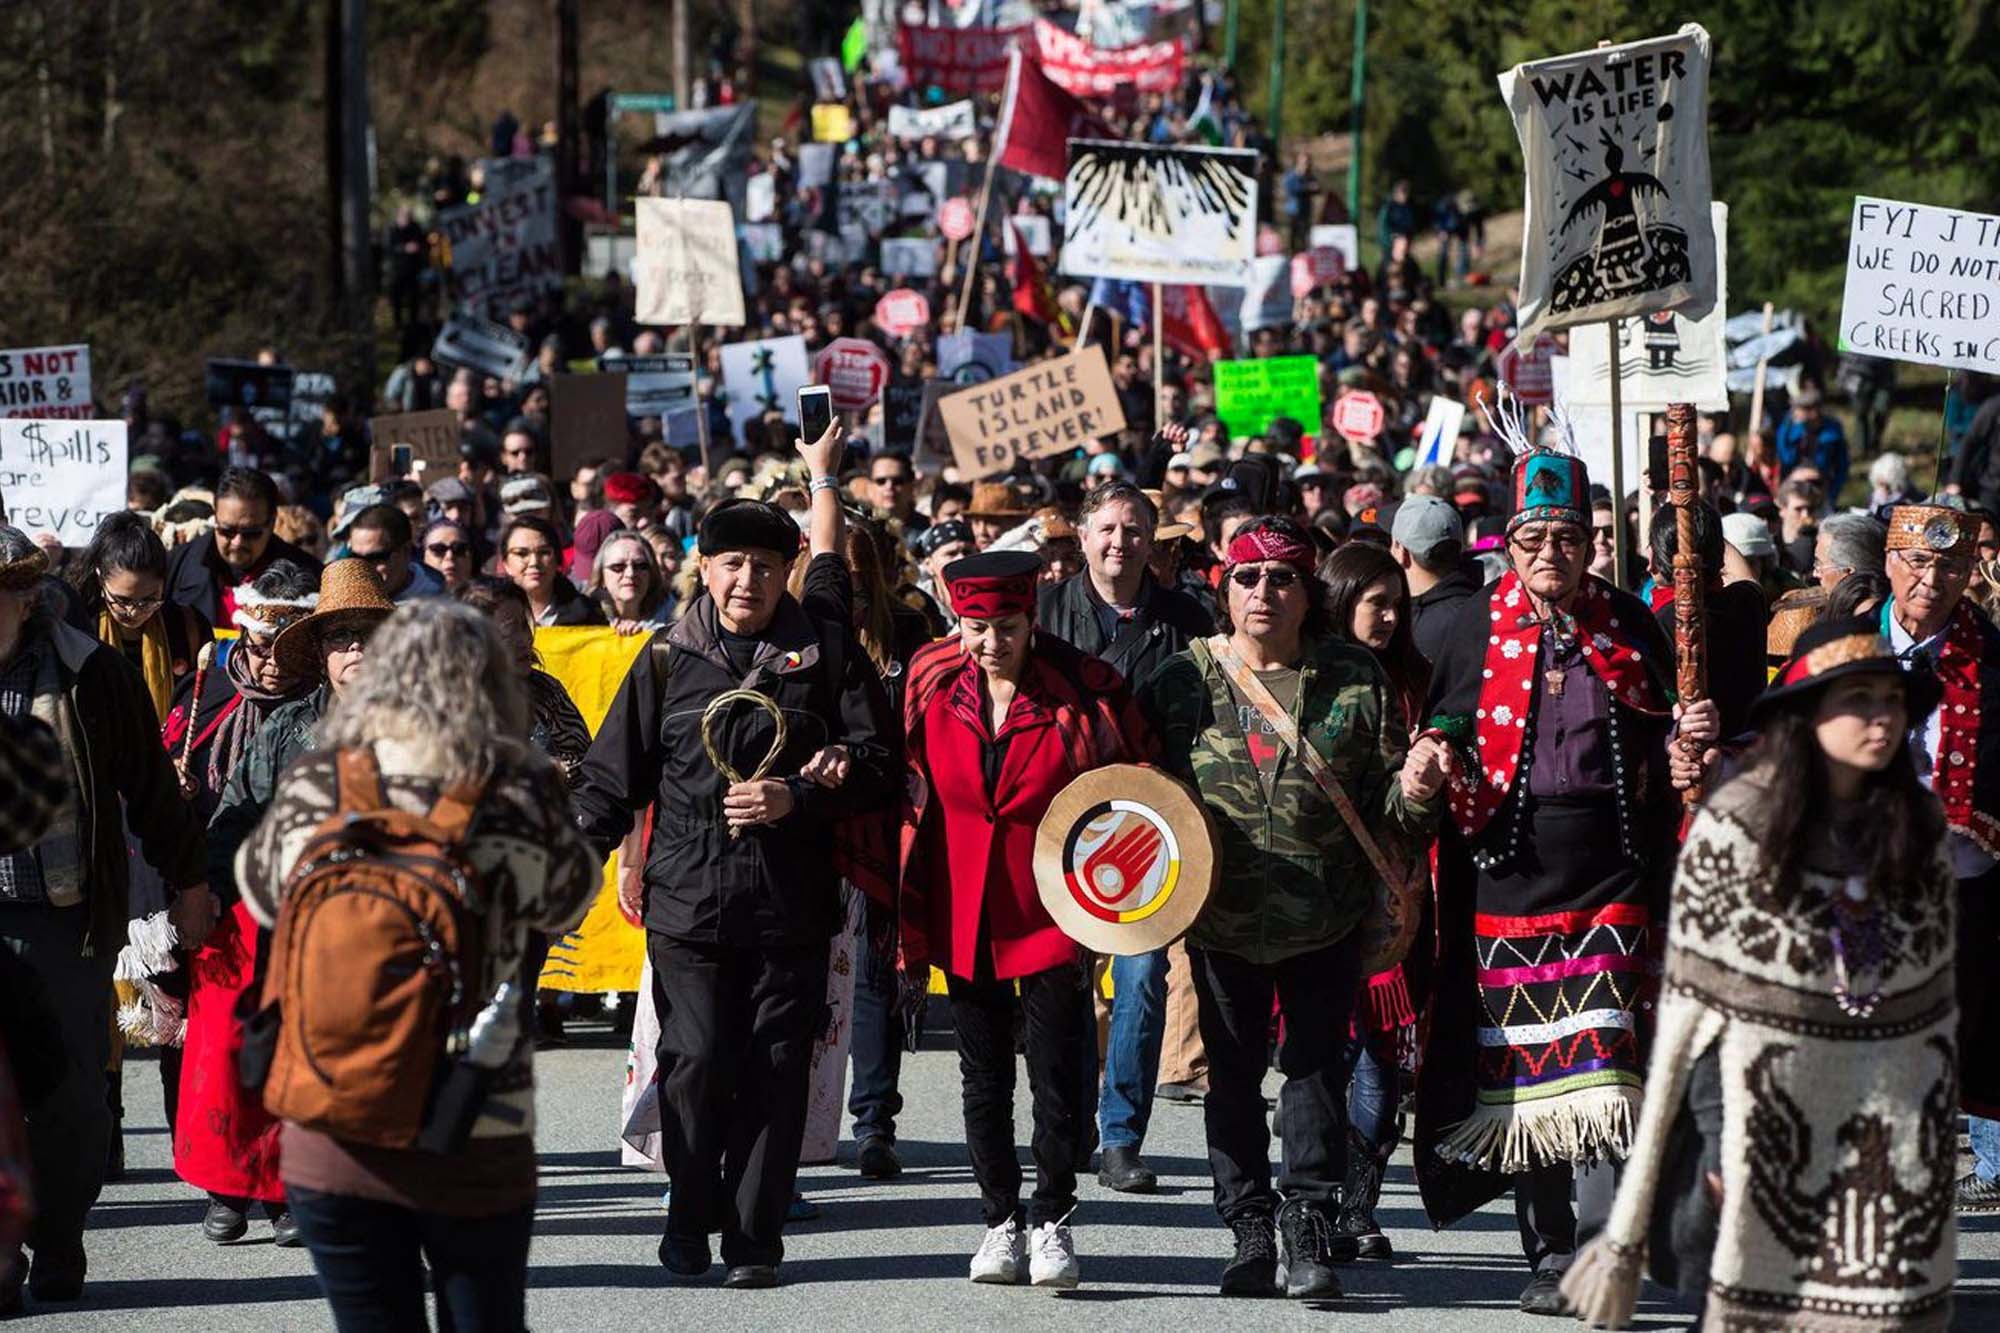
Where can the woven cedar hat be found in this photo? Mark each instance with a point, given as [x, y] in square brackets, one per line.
[1951, 533]
[350, 594]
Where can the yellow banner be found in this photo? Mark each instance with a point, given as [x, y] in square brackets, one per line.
[832, 122]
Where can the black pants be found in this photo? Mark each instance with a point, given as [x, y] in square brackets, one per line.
[371, 1257]
[874, 1099]
[1055, 1005]
[1316, 993]
[1553, 1228]
[737, 1027]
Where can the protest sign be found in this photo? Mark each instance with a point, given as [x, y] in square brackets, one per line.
[503, 248]
[854, 369]
[902, 414]
[908, 257]
[763, 376]
[760, 197]
[1077, 67]
[46, 382]
[432, 436]
[1248, 394]
[943, 179]
[1527, 372]
[832, 122]
[902, 312]
[1158, 214]
[685, 269]
[815, 164]
[1439, 442]
[708, 152]
[953, 121]
[247, 384]
[586, 421]
[1050, 408]
[1591, 427]
[312, 390]
[1663, 357]
[1921, 283]
[656, 385]
[1615, 141]
[1343, 237]
[764, 242]
[1267, 296]
[829, 81]
[1034, 228]
[867, 205]
[955, 219]
[966, 357]
[932, 441]
[481, 345]
[62, 476]
[1358, 416]
[959, 60]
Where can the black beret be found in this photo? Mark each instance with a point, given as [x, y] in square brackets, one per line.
[994, 565]
[745, 525]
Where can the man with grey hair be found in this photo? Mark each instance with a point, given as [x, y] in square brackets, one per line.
[63, 900]
[1847, 543]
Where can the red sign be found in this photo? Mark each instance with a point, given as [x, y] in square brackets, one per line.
[902, 312]
[1092, 71]
[1358, 416]
[1530, 377]
[955, 219]
[958, 60]
[855, 369]
[1316, 268]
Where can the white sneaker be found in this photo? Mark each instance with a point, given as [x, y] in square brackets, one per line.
[1052, 1257]
[1003, 1255]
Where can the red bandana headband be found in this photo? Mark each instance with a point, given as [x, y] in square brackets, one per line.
[986, 597]
[1259, 544]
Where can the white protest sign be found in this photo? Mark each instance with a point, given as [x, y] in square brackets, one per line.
[1342, 236]
[1663, 357]
[656, 385]
[503, 248]
[1034, 229]
[952, 121]
[908, 257]
[64, 477]
[1439, 442]
[763, 241]
[763, 376]
[815, 164]
[1593, 431]
[1157, 214]
[1267, 296]
[46, 382]
[685, 269]
[1921, 283]
[760, 197]
[481, 345]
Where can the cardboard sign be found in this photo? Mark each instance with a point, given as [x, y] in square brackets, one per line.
[433, 438]
[586, 421]
[247, 384]
[62, 476]
[1358, 416]
[1921, 283]
[953, 121]
[481, 345]
[763, 375]
[656, 385]
[832, 122]
[902, 414]
[503, 248]
[1439, 442]
[855, 369]
[1157, 214]
[909, 257]
[46, 382]
[685, 267]
[1663, 357]
[1050, 408]
[1248, 394]
[902, 312]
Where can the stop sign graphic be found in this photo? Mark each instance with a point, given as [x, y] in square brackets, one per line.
[855, 369]
[955, 219]
[1358, 416]
[902, 312]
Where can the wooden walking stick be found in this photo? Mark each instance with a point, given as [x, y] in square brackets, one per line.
[1690, 589]
[184, 770]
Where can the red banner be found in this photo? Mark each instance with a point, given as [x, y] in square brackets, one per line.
[1090, 71]
[958, 60]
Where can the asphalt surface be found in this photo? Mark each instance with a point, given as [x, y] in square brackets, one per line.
[882, 1256]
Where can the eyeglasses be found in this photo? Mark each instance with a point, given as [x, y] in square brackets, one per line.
[133, 605]
[528, 553]
[1922, 564]
[895, 479]
[626, 567]
[1565, 539]
[342, 641]
[224, 532]
[442, 549]
[1278, 579]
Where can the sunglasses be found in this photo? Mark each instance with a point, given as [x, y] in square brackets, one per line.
[443, 549]
[376, 558]
[1278, 579]
[895, 479]
[626, 567]
[226, 533]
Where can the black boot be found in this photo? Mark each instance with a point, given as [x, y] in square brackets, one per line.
[1121, 1170]
[1308, 1235]
[114, 1148]
[1253, 1270]
[1359, 1197]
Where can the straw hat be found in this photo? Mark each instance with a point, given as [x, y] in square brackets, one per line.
[1002, 499]
[350, 594]
[1168, 529]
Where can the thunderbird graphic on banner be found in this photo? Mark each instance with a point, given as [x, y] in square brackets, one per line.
[1152, 214]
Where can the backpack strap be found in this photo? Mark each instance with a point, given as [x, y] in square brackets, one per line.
[358, 781]
[454, 811]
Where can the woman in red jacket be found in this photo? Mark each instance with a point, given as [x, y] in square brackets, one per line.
[999, 720]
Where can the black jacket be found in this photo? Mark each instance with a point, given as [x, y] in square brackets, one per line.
[571, 607]
[775, 885]
[1167, 619]
[1431, 612]
[197, 575]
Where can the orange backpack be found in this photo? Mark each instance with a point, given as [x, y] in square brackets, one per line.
[374, 969]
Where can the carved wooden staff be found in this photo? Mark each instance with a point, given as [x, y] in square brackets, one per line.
[1690, 599]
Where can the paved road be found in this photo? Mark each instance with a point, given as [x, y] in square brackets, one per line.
[882, 1256]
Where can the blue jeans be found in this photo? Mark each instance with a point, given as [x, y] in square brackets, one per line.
[1985, 1135]
[877, 1049]
[1132, 1052]
[371, 1258]
[1372, 1090]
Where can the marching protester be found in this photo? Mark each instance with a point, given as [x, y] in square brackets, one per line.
[448, 552]
[240, 544]
[626, 581]
[121, 581]
[381, 535]
[996, 722]
[1301, 832]
[531, 555]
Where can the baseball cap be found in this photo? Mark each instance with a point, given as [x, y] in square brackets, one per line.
[448, 490]
[1107, 464]
[1205, 456]
[1748, 534]
[1180, 460]
[1423, 523]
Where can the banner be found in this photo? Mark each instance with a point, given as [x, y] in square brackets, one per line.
[763, 376]
[481, 345]
[832, 122]
[952, 121]
[63, 477]
[656, 386]
[958, 60]
[251, 384]
[1615, 141]
[46, 382]
[1092, 71]
[1920, 285]
[1248, 394]
[685, 269]
[1158, 214]
[1664, 357]
[503, 248]
[854, 369]
[1050, 408]
[708, 152]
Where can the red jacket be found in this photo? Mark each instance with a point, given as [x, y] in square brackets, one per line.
[961, 850]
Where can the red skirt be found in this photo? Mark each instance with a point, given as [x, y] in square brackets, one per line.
[226, 1143]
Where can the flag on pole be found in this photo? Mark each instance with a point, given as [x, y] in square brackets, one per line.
[1189, 324]
[1033, 296]
[854, 46]
[1204, 124]
[1036, 117]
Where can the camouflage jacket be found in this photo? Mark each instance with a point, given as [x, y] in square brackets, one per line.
[1291, 877]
